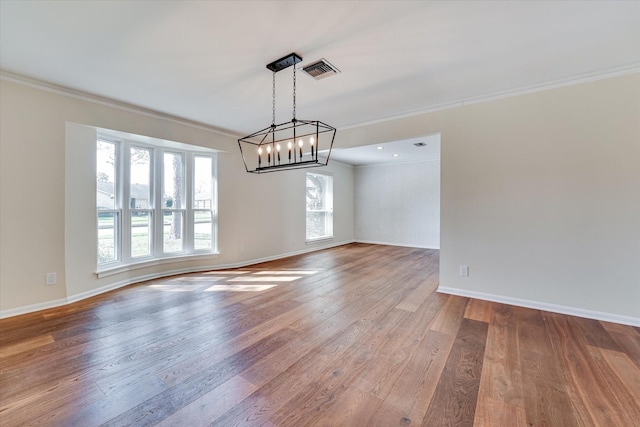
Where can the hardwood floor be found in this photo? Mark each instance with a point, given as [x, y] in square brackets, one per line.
[351, 336]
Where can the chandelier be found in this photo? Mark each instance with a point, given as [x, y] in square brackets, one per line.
[294, 144]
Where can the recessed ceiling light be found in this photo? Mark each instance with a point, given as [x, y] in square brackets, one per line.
[380, 148]
[395, 155]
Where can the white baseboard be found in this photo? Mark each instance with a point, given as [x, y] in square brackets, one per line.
[375, 242]
[537, 305]
[93, 292]
[32, 308]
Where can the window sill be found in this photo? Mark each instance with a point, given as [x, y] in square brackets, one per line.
[319, 239]
[120, 268]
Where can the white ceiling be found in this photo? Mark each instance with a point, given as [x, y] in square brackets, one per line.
[205, 60]
[390, 152]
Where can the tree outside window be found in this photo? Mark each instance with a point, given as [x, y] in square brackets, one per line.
[319, 200]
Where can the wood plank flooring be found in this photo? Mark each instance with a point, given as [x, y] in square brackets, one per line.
[350, 336]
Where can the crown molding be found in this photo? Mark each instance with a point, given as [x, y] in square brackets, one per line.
[553, 84]
[100, 100]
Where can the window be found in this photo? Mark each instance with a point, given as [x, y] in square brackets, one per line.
[173, 202]
[153, 202]
[319, 206]
[202, 203]
[107, 202]
[140, 201]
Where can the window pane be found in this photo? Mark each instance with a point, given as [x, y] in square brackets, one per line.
[140, 178]
[202, 230]
[133, 179]
[316, 225]
[172, 231]
[316, 190]
[105, 175]
[173, 191]
[107, 237]
[319, 200]
[202, 193]
[140, 234]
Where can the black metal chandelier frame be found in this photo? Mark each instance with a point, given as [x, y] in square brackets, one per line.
[274, 148]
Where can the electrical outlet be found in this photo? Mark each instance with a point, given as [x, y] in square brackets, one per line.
[464, 271]
[50, 279]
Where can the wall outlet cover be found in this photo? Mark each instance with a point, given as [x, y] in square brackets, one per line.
[464, 271]
[50, 279]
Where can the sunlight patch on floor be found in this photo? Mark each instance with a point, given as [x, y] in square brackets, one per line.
[274, 272]
[239, 288]
[265, 279]
[199, 279]
[242, 279]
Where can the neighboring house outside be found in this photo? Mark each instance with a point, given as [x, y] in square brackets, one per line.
[140, 197]
[104, 199]
[202, 200]
[105, 195]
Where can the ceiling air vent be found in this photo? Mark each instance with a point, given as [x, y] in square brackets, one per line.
[320, 69]
[420, 144]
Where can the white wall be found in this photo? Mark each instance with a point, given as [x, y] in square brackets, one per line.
[540, 196]
[47, 198]
[399, 204]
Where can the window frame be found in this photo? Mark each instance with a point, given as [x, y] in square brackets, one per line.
[150, 210]
[211, 210]
[157, 255]
[182, 209]
[117, 206]
[328, 210]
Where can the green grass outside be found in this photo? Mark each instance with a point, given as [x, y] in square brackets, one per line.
[140, 244]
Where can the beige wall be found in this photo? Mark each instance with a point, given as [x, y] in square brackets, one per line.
[540, 195]
[47, 198]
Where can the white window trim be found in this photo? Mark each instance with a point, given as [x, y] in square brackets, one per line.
[116, 269]
[125, 260]
[326, 237]
[319, 239]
